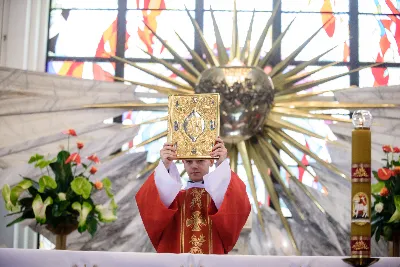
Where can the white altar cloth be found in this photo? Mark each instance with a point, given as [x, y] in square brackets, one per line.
[57, 258]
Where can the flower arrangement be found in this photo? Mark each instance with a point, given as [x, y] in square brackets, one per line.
[62, 198]
[386, 209]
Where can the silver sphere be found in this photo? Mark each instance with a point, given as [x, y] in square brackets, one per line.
[247, 95]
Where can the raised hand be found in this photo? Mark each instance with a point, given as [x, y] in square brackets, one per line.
[167, 154]
[219, 150]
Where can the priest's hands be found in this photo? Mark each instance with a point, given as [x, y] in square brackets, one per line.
[219, 150]
[168, 154]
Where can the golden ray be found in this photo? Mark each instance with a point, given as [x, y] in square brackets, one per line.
[278, 141]
[183, 62]
[264, 61]
[212, 60]
[145, 122]
[290, 112]
[235, 35]
[304, 188]
[233, 157]
[255, 55]
[185, 76]
[331, 105]
[145, 142]
[307, 151]
[149, 168]
[296, 96]
[281, 66]
[275, 171]
[142, 106]
[160, 89]
[155, 74]
[198, 63]
[247, 166]
[279, 123]
[244, 55]
[307, 85]
[273, 195]
[222, 54]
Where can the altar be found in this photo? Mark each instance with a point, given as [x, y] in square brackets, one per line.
[51, 258]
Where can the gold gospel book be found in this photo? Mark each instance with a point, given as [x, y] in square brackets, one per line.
[193, 124]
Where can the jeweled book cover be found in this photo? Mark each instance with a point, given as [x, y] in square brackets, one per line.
[193, 124]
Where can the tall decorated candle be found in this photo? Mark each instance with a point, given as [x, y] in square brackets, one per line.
[361, 185]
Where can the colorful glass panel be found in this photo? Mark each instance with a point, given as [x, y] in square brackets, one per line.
[85, 4]
[265, 5]
[379, 38]
[164, 23]
[103, 71]
[316, 5]
[335, 33]
[379, 6]
[82, 33]
[379, 76]
[161, 4]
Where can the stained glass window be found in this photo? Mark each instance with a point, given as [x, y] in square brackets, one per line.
[305, 25]
[104, 71]
[84, 4]
[379, 6]
[379, 38]
[380, 76]
[265, 5]
[165, 23]
[316, 5]
[82, 33]
[161, 4]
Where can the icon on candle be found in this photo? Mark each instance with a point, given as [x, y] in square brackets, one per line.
[362, 119]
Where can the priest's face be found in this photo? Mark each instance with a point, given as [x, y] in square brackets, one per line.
[196, 169]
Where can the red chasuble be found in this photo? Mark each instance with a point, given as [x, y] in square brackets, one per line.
[192, 223]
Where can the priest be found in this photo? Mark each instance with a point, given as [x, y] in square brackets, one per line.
[204, 218]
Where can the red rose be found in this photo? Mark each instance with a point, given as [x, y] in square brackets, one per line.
[79, 145]
[384, 173]
[70, 132]
[93, 170]
[74, 157]
[384, 192]
[94, 158]
[387, 149]
[396, 149]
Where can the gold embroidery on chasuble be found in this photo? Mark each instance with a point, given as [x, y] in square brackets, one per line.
[196, 231]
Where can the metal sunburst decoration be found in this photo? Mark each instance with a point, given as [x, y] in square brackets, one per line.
[253, 105]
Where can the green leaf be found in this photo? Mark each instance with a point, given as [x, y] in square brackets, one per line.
[59, 208]
[35, 158]
[91, 224]
[375, 173]
[376, 188]
[17, 190]
[46, 182]
[42, 163]
[39, 208]
[81, 186]
[107, 213]
[396, 215]
[107, 186]
[84, 211]
[34, 183]
[6, 193]
[62, 171]
[84, 166]
[378, 233]
[387, 232]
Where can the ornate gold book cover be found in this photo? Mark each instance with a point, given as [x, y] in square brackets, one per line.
[193, 124]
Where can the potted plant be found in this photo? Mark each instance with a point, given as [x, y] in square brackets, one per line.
[61, 199]
[386, 208]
